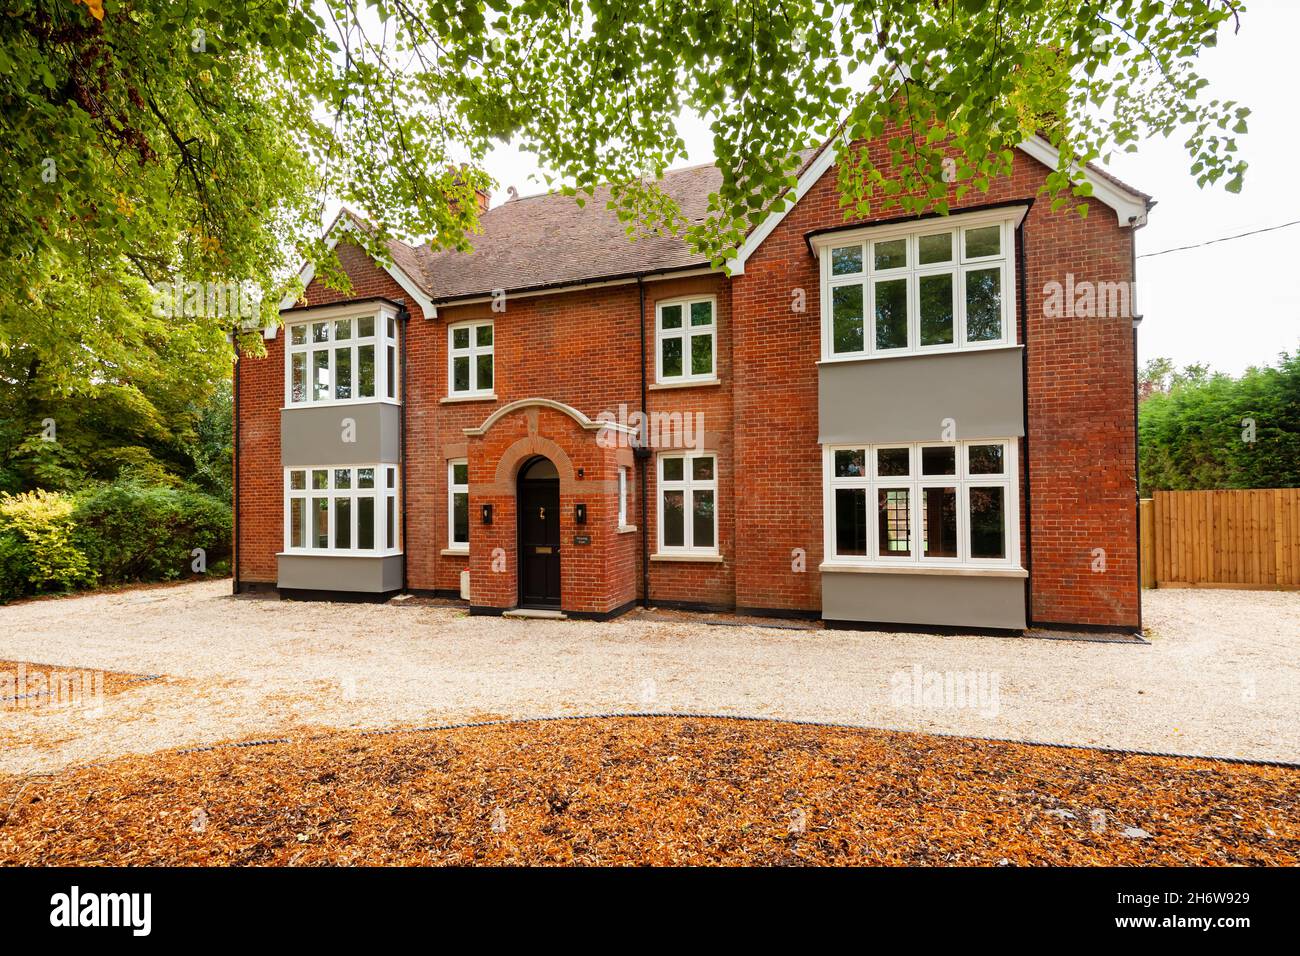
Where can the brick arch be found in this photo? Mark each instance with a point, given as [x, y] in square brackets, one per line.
[513, 458]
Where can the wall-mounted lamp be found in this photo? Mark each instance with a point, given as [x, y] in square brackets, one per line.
[580, 513]
[580, 472]
[487, 514]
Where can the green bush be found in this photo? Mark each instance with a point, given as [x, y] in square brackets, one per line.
[137, 532]
[37, 551]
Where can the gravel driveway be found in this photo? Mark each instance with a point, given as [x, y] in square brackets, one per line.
[1221, 676]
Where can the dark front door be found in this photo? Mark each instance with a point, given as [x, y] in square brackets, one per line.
[539, 542]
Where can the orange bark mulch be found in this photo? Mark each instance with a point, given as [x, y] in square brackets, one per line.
[652, 791]
[46, 688]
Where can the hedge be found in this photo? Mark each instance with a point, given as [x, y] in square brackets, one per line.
[110, 534]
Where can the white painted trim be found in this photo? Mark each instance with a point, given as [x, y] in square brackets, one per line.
[343, 224]
[955, 570]
[1130, 208]
[816, 169]
[569, 410]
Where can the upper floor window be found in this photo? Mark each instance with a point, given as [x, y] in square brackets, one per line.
[346, 510]
[935, 504]
[685, 340]
[351, 358]
[898, 290]
[469, 351]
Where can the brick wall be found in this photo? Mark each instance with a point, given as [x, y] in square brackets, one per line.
[1080, 433]
[580, 348]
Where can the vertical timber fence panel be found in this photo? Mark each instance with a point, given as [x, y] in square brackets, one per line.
[1241, 538]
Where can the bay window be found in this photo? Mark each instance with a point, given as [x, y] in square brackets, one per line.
[688, 513]
[345, 510]
[929, 504]
[338, 359]
[941, 286]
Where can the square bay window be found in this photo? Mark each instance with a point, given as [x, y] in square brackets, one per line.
[341, 360]
[338, 510]
[947, 503]
[945, 285]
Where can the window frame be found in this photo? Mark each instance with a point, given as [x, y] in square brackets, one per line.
[916, 483]
[386, 488]
[686, 334]
[866, 240]
[473, 351]
[454, 489]
[688, 485]
[623, 495]
[386, 336]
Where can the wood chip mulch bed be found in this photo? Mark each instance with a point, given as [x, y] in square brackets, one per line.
[652, 791]
[48, 688]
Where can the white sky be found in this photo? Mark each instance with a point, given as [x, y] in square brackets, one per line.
[1232, 304]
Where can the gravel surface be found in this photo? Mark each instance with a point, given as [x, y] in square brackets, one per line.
[1221, 677]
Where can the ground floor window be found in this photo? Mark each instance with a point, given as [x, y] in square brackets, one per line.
[622, 497]
[951, 503]
[458, 504]
[688, 505]
[348, 509]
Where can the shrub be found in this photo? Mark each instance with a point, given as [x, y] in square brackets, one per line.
[38, 547]
[137, 532]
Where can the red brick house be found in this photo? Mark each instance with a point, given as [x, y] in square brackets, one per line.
[876, 421]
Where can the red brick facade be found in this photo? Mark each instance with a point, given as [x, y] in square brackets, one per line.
[580, 349]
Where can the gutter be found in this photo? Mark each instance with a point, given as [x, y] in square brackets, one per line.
[1024, 401]
[642, 454]
[1137, 462]
[238, 484]
[574, 285]
[403, 321]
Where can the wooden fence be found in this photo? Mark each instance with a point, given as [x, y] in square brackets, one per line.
[1221, 539]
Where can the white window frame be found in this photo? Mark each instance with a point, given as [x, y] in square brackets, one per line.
[472, 352]
[386, 488]
[383, 339]
[915, 482]
[454, 489]
[622, 496]
[686, 333]
[688, 486]
[1007, 219]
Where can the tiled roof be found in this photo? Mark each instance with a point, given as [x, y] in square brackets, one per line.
[548, 240]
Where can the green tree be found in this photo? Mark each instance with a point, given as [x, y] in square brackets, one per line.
[1209, 430]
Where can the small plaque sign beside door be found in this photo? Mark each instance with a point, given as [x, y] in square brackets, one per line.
[582, 539]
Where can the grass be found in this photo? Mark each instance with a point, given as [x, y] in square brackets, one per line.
[651, 791]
